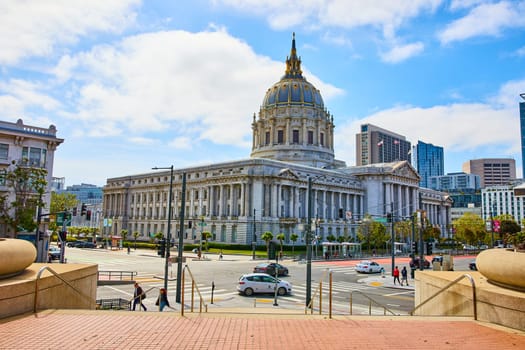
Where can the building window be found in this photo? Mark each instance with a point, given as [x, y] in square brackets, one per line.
[4, 151]
[267, 138]
[280, 137]
[295, 136]
[33, 156]
[310, 137]
[322, 139]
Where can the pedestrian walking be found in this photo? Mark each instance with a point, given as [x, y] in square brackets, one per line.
[404, 275]
[129, 249]
[396, 275]
[220, 255]
[162, 300]
[138, 295]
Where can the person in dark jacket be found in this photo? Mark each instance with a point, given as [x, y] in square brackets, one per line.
[138, 295]
[404, 275]
[162, 300]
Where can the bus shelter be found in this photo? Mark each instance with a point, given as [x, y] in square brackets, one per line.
[335, 250]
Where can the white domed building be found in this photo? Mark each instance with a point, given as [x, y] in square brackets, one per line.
[293, 141]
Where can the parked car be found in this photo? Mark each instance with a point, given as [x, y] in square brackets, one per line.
[53, 253]
[74, 244]
[259, 283]
[438, 259]
[269, 268]
[415, 263]
[367, 266]
[473, 266]
[86, 245]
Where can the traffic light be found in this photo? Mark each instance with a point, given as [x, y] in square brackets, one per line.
[189, 224]
[161, 248]
[75, 211]
[83, 209]
[429, 248]
[62, 235]
[88, 215]
[414, 247]
[389, 217]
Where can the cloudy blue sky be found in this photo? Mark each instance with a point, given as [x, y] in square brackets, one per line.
[135, 84]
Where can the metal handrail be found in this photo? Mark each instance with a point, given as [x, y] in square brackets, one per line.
[61, 279]
[146, 291]
[120, 274]
[370, 301]
[319, 290]
[472, 282]
[193, 287]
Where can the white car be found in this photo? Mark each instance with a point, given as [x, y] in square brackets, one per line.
[257, 283]
[367, 266]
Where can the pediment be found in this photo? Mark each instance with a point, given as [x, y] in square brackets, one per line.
[404, 169]
[288, 174]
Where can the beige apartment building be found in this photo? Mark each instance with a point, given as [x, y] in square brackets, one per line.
[492, 171]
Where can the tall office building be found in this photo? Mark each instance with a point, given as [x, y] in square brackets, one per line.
[522, 134]
[429, 162]
[377, 145]
[492, 171]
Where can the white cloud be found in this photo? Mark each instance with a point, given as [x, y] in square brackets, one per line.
[485, 20]
[206, 85]
[35, 27]
[456, 127]
[20, 94]
[183, 143]
[463, 4]
[521, 51]
[387, 15]
[402, 53]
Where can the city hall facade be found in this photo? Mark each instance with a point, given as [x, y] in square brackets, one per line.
[237, 201]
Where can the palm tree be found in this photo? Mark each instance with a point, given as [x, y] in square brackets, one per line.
[267, 237]
[135, 235]
[206, 235]
[280, 237]
[293, 238]
[124, 234]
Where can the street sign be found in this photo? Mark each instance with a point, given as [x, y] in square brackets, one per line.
[202, 223]
[381, 220]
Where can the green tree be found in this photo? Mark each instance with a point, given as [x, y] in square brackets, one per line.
[124, 234]
[469, 228]
[206, 235]
[293, 238]
[330, 238]
[62, 201]
[508, 229]
[280, 237]
[267, 237]
[28, 187]
[403, 230]
[135, 235]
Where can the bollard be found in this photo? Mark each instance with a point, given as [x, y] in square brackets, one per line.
[212, 289]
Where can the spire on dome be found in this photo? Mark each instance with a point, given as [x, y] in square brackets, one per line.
[293, 63]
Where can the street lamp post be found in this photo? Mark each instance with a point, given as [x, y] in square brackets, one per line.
[309, 246]
[168, 234]
[180, 250]
[254, 240]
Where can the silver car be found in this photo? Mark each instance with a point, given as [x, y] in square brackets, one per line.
[257, 283]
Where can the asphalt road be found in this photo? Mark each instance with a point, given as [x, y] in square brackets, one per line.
[224, 274]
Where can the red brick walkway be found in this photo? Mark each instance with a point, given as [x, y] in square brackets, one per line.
[78, 329]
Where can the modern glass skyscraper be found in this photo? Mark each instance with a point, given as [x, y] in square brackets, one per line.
[429, 162]
[522, 134]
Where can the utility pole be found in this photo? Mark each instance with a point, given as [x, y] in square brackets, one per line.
[254, 239]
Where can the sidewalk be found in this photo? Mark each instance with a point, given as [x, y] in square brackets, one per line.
[247, 329]
[386, 281]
